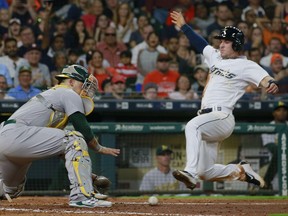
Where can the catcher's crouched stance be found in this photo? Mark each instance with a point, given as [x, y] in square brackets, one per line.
[35, 131]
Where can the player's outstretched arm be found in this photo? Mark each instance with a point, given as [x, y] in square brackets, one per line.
[94, 145]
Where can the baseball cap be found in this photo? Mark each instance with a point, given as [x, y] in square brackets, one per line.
[279, 104]
[33, 47]
[25, 68]
[202, 67]
[163, 57]
[15, 20]
[161, 150]
[276, 57]
[118, 78]
[150, 85]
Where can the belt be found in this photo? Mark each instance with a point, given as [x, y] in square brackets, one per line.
[214, 109]
[10, 121]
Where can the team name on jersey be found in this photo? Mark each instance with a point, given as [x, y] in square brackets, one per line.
[221, 72]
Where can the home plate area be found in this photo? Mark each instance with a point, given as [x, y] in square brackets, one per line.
[194, 206]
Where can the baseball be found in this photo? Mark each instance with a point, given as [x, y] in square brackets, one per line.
[153, 200]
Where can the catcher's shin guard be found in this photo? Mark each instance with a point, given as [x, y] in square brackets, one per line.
[78, 164]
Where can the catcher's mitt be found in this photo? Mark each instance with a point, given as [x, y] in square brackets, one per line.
[100, 184]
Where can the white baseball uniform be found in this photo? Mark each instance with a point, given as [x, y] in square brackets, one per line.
[226, 85]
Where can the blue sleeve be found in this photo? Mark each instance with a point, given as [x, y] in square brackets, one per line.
[196, 40]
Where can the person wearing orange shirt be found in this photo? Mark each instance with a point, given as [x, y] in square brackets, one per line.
[162, 76]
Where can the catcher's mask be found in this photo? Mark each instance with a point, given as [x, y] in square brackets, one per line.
[79, 73]
[233, 34]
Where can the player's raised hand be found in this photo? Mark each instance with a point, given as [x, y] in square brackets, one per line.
[109, 151]
[177, 19]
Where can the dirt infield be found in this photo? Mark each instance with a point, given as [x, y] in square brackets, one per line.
[57, 206]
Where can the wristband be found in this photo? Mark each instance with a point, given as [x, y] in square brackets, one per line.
[272, 81]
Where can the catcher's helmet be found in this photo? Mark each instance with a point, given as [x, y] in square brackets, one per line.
[233, 34]
[74, 71]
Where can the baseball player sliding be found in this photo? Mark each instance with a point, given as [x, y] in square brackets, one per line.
[35, 131]
[230, 72]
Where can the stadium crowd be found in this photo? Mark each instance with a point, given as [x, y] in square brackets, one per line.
[131, 45]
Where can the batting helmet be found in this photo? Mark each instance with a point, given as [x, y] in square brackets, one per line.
[233, 34]
[74, 71]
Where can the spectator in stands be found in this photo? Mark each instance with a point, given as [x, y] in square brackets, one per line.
[281, 11]
[95, 9]
[11, 59]
[183, 90]
[162, 76]
[88, 46]
[185, 52]
[150, 91]
[200, 74]
[77, 34]
[102, 23]
[127, 69]
[3, 89]
[107, 89]
[24, 91]
[23, 10]
[279, 73]
[14, 30]
[111, 9]
[73, 55]
[160, 178]
[41, 77]
[143, 45]
[4, 22]
[203, 18]
[95, 67]
[250, 17]
[274, 46]
[125, 22]
[222, 14]
[61, 27]
[27, 39]
[137, 36]
[255, 5]
[60, 60]
[270, 141]
[212, 40]
[271, 29]
[159, 9]
[147, 57]
[118, 87]
[5, 72]
[255, 40]
[77, 9]
[110, 47]
[254, 54]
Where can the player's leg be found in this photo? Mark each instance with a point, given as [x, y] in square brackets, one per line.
[214, 126]
[211, 127]
[78, 165]
[12, 177]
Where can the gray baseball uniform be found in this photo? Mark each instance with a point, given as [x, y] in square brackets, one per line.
[26, 137]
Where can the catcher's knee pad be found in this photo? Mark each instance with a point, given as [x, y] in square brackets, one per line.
[78, 164]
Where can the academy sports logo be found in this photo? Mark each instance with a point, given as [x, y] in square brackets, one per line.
[221, 72]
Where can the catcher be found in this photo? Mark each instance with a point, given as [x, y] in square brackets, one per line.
[35, 131]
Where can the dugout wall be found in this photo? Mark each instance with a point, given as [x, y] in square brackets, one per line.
[138, 143]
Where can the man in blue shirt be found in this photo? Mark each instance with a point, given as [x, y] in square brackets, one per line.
[24, 91]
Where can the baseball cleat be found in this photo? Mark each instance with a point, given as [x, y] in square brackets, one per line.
[100, 196]
[185, 177]
[4, 195]
[251, 176]
[90, 203]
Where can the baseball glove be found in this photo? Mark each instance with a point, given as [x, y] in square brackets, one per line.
[100, 184]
